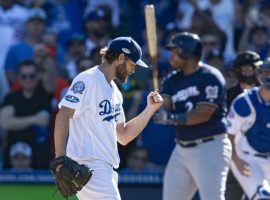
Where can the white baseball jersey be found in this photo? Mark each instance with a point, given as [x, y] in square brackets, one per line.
[249, 121]
[98, 110]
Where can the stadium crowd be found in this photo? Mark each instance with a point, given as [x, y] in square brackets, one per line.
[46, 43]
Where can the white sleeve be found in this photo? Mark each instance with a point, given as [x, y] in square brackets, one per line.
[77, 96]
[121, 117]
[237, 122]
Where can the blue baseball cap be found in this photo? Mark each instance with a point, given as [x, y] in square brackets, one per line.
[96, 15]
[129, 48]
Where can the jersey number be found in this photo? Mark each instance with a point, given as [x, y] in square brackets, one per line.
[189, 106]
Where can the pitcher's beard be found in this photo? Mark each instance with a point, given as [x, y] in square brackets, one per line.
[121, 73]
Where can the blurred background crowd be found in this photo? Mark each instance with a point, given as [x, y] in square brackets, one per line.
[46, 43]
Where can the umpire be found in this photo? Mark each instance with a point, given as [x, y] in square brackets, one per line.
[194, 100]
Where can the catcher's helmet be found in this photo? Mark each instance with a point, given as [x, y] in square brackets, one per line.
[188, 45]
[246, 59]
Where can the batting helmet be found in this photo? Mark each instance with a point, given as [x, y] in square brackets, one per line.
[264, 73]
[187, 44]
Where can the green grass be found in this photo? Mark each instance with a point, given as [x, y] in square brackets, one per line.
[30, 192]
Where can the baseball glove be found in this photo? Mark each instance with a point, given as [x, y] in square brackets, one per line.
[70, 176]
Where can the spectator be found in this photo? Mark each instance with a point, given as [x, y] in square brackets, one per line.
[94, 56]
[83, 63]
[50, 80]
[49, 41]
[97, 29]
[141, 76]
[23, 50]
[202, 19]
[170, 29]
[255, 35]
[12, 17]
[164, 11]
[138, 162]
[229, 75]
[211, 44]
[25, 116]
[44, 54]
[214, 40]
[221, 12]
[76, 49]
[112, 6]
[64, 17]
[215, 60]
[40, 54]
[20, 157]
[239, 21]
[259, 40]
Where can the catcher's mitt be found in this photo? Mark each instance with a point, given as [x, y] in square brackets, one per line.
[70, 176]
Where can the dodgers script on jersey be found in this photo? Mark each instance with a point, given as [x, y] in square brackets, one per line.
[98, 110]
[205, 86]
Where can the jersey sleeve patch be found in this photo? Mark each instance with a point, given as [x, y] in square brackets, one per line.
[72, 99]
[78, 87]
[212, 89]
[211, 92]
[241, 107]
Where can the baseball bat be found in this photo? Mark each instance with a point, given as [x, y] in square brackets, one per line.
[150, 21]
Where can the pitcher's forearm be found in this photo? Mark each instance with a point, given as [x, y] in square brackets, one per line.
[60, 134]
[135, 126]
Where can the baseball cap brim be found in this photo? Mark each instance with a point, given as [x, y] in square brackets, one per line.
[141, 64]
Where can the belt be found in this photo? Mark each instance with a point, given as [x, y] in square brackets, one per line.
[261, 155]
[194, 143]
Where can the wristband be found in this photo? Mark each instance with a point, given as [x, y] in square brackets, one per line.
[180, 118]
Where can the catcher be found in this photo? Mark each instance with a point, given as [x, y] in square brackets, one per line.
[92, 112]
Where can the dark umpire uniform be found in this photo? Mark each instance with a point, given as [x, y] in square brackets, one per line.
[194, 97]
